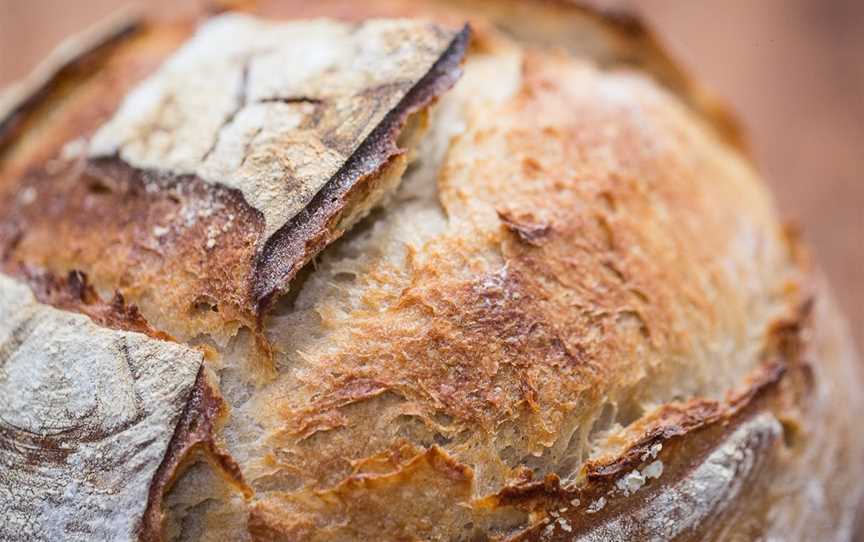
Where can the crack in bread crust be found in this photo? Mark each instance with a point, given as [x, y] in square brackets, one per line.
[300, 163]
[192, 254]
[193, 435]
[292, 246]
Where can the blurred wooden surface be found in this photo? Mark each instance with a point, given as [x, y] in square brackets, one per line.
[792, 69]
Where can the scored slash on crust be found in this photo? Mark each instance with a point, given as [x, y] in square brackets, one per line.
[307, 134]
[318, 223]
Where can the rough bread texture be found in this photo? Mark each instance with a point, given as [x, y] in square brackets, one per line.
[87, 416]
[237, 105]
[563, 307]
[277, 112]
[123, 193]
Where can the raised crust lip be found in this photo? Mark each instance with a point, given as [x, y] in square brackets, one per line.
[194, 433]
[708, 489]
[277, 258]
[203, 410]
[599, 503]
[20, 97]
[706, 426]
[674, 422]
[307, 233]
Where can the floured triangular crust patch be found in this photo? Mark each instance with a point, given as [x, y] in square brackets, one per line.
[86, 417]
[285, 112]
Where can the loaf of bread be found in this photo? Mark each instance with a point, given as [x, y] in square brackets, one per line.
[405, 270]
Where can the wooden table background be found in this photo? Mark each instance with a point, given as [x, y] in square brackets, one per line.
[792, 69]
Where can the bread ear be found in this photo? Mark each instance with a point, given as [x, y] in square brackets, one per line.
[310, 155]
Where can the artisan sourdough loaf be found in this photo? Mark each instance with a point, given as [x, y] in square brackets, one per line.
[391, 270]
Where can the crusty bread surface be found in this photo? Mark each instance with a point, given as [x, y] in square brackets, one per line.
[391, 270]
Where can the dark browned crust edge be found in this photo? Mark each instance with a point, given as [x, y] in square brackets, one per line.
[74, 293]
[85, 62]
[194, 438]
[688, 433]
[305, 235]
[681, 454]
[678, 422]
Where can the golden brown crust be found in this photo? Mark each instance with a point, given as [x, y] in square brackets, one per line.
[484, 334]
[578, 319]
[675, 447]
[368, 499]
[189, 252]
[149, 244]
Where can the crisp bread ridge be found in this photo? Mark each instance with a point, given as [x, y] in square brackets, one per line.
[675, 509]
[47, 316]
[194, 439]
[197, 245]
[708, 490]
[302, 143]
[292, 246]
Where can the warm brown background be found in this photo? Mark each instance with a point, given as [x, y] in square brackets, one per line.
[792, 69]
